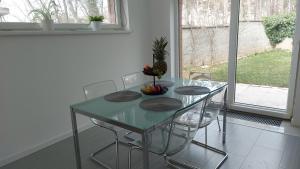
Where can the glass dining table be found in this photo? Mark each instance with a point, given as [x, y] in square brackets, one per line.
[131, 116]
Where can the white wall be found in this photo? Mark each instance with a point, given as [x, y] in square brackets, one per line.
[42, 75]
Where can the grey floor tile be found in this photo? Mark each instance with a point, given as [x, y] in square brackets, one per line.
[273, 140]
[262, 158]
[157, 162]
[232, 162]
[291, 154]
[239, 147]
[194, 154]
[236, 145]
[233, 131]
[242, 132]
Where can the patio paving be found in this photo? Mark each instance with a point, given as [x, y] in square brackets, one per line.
[275, 97]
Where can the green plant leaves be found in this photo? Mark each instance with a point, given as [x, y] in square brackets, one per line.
[279, 27]
[45, 12]
[96, 18]
[159, 48]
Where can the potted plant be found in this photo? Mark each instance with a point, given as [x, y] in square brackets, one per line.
[96, 22]
[44, 15]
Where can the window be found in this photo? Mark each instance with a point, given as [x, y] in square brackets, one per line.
[67, 14]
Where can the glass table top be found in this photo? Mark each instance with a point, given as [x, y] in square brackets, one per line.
[131, 115]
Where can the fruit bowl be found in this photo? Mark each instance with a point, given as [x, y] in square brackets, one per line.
[154, 90]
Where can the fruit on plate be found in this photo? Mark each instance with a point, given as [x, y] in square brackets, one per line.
[147, 67]
[148, 70]
[153, 90]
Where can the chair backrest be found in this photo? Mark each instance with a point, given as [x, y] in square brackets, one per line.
[199, 76]
[133, 79]
[214, 104]
[98, 89]
[169, 138]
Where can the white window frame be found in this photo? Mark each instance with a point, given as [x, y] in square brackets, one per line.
[122, 24]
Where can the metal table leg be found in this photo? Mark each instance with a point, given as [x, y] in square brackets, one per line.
[145, 151]
[224, 125]
[76, 139]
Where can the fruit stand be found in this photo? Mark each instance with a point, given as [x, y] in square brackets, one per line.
[159, 67]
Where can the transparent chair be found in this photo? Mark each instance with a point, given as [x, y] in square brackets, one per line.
[199, 76]
[216, 102]
[167, 140]
[129, 81]
[203, 76]
[98, 89]
[133, 79]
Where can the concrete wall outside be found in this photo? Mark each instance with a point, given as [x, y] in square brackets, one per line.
[212, 44]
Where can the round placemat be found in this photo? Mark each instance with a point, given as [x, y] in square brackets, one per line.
[161, 104]
[123, 96]
[192, 90]
[163, 83]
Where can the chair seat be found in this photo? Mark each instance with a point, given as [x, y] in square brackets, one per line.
[158, 141]
[106, 125]
[191, 118]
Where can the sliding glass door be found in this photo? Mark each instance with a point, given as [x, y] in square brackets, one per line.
[249, 44]
[261, 51]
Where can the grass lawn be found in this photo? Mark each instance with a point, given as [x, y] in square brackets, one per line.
[271, 68]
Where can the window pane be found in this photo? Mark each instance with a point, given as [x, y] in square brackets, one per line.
[65, 11]
[266, 29]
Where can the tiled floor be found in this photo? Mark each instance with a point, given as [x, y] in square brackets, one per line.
[248, 148]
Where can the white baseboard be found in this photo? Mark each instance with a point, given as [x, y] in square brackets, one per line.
[45, 144]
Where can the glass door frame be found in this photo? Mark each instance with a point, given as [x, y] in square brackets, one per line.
[232, 65]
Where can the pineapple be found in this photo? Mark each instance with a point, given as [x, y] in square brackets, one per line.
[159, 54]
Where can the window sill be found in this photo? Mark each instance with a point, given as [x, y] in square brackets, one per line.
[61, 32]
